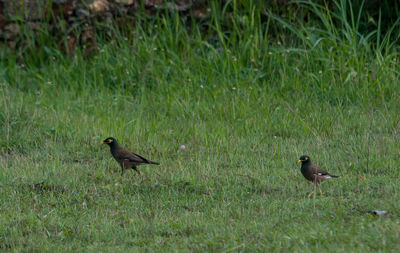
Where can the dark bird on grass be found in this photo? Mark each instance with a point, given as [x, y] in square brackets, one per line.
[313, 173]
[124, 157]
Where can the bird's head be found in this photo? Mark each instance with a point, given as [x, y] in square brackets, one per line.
[109, 141]
[304, 159]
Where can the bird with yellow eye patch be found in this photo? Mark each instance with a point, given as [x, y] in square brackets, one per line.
[313, 173]
[126, 159]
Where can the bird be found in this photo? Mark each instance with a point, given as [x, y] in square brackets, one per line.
[126, 159]
[313, 173]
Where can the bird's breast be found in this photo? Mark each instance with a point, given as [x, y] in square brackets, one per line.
[307, 173]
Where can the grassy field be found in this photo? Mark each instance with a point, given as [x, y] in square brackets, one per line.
[246, 108]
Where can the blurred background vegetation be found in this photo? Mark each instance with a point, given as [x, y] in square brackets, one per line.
[32, 28]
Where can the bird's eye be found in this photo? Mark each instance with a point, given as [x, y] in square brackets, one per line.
[306, 158]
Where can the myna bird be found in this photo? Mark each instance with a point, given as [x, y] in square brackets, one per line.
[313, 173]
[124, 157]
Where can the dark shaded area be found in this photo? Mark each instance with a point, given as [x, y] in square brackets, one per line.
[28, 25]
[43, 187]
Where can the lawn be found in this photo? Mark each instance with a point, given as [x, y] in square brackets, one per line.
[245, 110]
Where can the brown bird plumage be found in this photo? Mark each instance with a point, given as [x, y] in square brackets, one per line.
[126, 159]
[313, 173]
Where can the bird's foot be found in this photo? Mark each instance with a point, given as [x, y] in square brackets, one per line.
[145, 179]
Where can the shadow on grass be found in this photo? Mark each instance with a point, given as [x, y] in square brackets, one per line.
[43, 187]
[263, 190]
[184, 232]
[181, 187]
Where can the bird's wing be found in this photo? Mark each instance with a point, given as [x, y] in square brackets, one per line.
[124, 154]
[318, 171]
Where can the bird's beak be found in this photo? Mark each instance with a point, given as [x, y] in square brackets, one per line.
[101, 143]
[299, 161]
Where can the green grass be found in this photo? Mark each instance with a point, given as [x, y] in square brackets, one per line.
[245, 108]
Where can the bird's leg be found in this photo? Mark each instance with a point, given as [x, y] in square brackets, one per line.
[319, 187]
[122, 174]
[313, 190]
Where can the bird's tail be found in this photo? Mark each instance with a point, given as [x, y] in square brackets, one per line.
[151, 162]
[333, 175]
